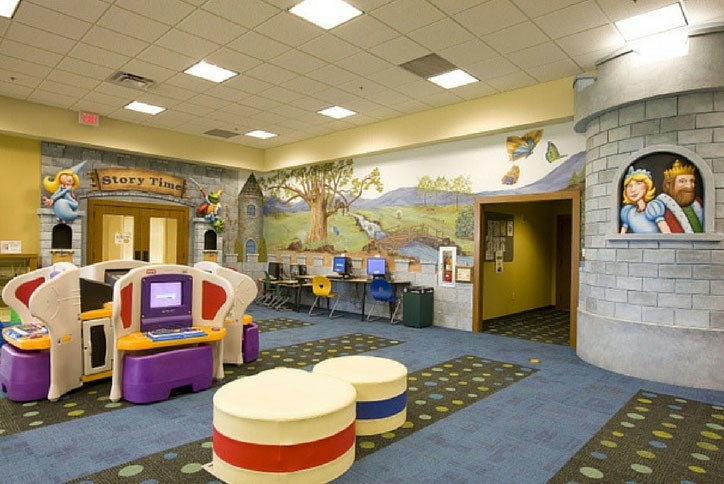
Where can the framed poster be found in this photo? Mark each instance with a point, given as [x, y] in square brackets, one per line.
[464, 273]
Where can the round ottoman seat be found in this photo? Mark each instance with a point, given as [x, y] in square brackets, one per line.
[283, 425]
[381, 385]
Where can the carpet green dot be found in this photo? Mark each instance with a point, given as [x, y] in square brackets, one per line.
[697, 469]
[388, 435]
[698, 456]
[425, 416]
[662, 435]
[36, 423]
[192, 468]
[366, 444]
[407, 425]
[715, 426]
[130, 471]
[642, 469]
[707, 446]
[113, 405]
[646, 454]
[76, 413]
[31, 414]
[591, 472]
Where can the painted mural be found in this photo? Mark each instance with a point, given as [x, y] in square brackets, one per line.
[661, 193]
[409, 203]
[62, 189]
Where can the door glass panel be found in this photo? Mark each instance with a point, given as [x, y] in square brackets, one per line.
[162, 243]
[117, 237]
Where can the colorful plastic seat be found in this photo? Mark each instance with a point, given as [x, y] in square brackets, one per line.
[382, 291]
[322, 289]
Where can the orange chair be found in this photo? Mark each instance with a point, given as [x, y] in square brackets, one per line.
[322, 288]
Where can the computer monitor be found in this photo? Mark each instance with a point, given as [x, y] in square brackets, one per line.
[342, 266]
[112, 275]
[94, 294]
[275, 270]
[376, 266]
[166, 301]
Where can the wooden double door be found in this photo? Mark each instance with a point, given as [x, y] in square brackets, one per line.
[140, 231]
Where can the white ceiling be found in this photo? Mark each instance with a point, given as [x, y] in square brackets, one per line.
[61, 53]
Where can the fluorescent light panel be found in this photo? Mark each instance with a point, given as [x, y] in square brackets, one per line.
[325, 13]
[210, 72]
[261, 134]
[7, 7]
[653, 22]
[452, 79]
[336, 112]
[144, 108]
[662, 46]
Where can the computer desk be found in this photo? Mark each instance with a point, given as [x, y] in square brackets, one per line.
[306, 281]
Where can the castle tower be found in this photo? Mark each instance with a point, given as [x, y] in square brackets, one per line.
[251, 217]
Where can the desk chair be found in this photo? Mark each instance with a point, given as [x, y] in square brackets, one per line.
[382, 291]
[273, 297]
[322, 288]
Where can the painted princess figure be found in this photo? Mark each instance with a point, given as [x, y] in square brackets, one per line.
[642, 212]
[62, 189]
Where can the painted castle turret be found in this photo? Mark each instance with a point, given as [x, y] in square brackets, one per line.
[251, 219]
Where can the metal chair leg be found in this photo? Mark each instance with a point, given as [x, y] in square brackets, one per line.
[372, 310]
[334, 307]
[313, 304]
[392, 318]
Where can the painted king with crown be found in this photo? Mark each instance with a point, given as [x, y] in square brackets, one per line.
[684, 210]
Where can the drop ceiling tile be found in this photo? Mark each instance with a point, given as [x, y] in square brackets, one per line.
[113, 41]
[268, 117]
[703, 11]
[209, 101]
[304, 85]
[240, 110]
[51, 21]
[248, 84]
[365, 32]
[260, 103]
[399, 15]
[393, 77]
[364, 63]
[24, 51]
[151, 97]
[420, 88]
[516, 37]
[281, 94]
[270, 73]
[620, 9]
[490, 17]
[468, 53]
[475, 90]
[62, 88]
[297, 61]
[211, 27]
[576, 18]
[514, 80]
[19, 79]
[232, 59]
[289, 29]
[309, 104]
[166, 11]
[132, 24]
[173, 92]
[52, 99]
[227, 93]
[390, 97]
[4, 25]
[452, 7]
[39, 38]
[492, 68]
[554, 70]
[288, 112]
[121, 92]
[536, 8]
[195, 109]
[442, 99]
[331, 74]
[83, 68]
[166, 58]
[596, 39]
[107, 99]
[589, 60]
[259, 46]
[335, 96]
[411, 106]
[193, 83]
[93, 107]
[283, 4]
[145, 69]
[329, 48]
[365, 5]
[399, 50]
[88, 10]
[538, 55]
[185, 43]
[247, 13]
[23, 66]
[73, 79]
[363, 88]
[441, 35]
[99, 56]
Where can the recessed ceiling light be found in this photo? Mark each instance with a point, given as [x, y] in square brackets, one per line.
[144, 108]
[653, 22]
[7, 7]
[662, 46]
[336, 112]
[210, 72]
[452, 79]
[261, 134]
[325, 13]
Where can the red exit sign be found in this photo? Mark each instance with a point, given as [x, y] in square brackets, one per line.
[89, 119]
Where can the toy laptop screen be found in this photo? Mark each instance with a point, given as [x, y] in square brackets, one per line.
[166, 301]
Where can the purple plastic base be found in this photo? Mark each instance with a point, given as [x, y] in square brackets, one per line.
[150, 378]
[250, 343]
[24, 375]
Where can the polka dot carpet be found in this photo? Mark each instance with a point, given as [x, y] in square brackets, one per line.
[433, 394]
[276, 324]
[654, 438]
[545, 325]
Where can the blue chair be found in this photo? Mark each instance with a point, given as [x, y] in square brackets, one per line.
[382, 291]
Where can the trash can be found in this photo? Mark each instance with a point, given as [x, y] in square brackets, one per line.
[417, 306]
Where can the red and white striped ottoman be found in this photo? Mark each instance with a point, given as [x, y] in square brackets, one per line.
[381, 385]
[283, 425]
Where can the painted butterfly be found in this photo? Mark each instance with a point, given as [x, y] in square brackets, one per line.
[552, 153]
[511, 176]
[522, 146]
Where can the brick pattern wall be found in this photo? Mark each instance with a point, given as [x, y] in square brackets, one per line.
[662, 282]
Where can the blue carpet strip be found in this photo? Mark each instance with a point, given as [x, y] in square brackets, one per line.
[654, 438]
[92, 398]
[433, 394]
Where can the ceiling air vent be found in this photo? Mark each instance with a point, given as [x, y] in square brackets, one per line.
[131, 80]
[221, 133]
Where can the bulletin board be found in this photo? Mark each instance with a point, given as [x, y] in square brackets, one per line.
[499, 232]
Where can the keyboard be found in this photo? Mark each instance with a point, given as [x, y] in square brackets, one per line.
[174, 333]
[24, 331]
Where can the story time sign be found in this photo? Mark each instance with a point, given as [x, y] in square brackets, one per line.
[140, 180]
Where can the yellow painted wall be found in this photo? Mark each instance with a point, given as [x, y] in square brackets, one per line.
[526, 282]
[20, 168]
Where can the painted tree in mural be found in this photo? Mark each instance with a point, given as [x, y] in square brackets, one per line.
[426, 186]
[461, 184]
[327, 188]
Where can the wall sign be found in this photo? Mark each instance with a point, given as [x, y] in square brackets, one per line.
[140, 180]
[498, 237]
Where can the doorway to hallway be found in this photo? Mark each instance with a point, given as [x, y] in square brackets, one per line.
[140, 231]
